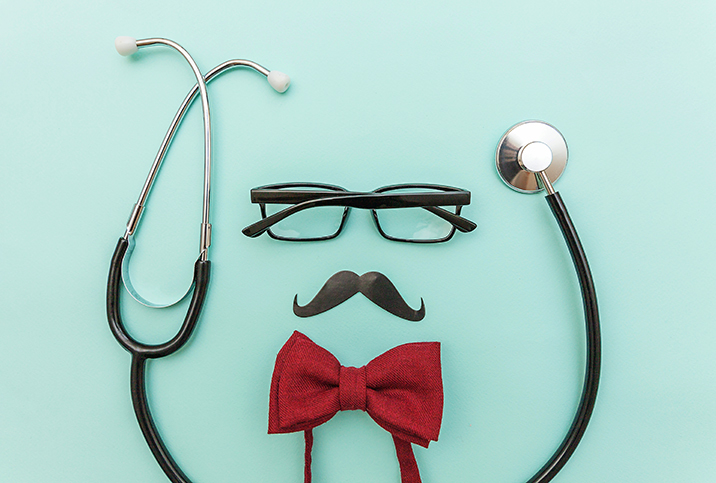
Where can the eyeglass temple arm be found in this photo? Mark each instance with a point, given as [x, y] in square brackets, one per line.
[462, 225]
[367, 201]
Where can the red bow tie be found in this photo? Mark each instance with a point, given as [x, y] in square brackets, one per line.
[401, 390]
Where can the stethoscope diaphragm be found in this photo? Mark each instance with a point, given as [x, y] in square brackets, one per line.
[529, 135]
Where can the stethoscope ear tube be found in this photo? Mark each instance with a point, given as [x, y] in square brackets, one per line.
[202, 270]
[594, 357]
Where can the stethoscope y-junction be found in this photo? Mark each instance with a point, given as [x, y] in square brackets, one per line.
[530, 157]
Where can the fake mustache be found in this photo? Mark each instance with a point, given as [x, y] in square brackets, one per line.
[345, 284]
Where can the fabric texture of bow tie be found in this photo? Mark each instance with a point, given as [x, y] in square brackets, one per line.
[401, 390]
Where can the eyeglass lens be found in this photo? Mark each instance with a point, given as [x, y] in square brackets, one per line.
[313, 224]
[413, 224]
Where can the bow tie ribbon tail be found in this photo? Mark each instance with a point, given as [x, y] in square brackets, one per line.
[409, 472]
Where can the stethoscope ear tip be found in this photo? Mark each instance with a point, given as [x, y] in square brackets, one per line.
[125, 45]
[279, 80]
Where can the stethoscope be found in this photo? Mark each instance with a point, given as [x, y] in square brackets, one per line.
[530, 156]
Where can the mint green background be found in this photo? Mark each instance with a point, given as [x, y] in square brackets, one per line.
[382, 93]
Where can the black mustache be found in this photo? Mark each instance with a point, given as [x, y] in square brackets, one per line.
[345, 284]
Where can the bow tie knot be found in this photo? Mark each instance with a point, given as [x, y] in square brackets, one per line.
[352, 388]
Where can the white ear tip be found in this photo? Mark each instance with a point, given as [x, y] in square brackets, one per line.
[125, 45]
[279, 80]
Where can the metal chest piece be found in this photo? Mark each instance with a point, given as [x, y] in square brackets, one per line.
[530, 138]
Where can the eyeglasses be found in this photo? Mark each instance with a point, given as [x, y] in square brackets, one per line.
[410, 213]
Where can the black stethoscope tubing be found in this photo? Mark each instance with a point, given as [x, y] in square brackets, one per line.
[141, 352]
[594, 345]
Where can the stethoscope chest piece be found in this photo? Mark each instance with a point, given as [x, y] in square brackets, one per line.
[521, 150]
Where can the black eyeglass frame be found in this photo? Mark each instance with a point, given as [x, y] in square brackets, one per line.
[332, 195]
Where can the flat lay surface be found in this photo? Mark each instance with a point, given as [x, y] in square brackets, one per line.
[382, 93]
